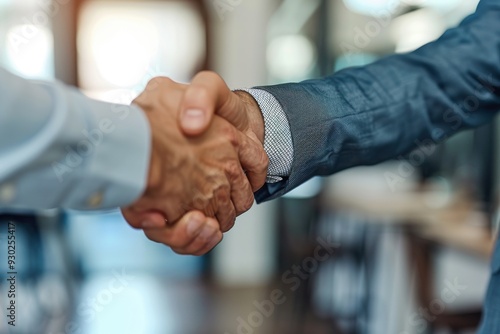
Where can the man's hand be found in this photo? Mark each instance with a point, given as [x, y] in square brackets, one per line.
[193, 234]
[206, 173]
[207, 95]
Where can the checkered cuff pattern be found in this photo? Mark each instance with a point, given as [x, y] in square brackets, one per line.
[278, 142]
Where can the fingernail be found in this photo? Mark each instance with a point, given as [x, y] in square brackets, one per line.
[151, 224]
[193, 119]
[194, 225]
[206, 233]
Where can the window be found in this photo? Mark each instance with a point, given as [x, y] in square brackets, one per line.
[122, 45]
[27, 40]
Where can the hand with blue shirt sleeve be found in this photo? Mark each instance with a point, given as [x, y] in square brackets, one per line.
[60, 149]
[206, 173]
[363, 115]
[255, 112]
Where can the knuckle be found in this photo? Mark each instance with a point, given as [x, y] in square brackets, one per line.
[216, 79]
[227, 219]
[230, 135]
[157, 82]
[249, 203]
[154, 82]
[264, 161]
[233, 169]
[209, 246]
[171, 238]
[229, 223]
[205, 203]
[129, 218]
[223, 195]
[179, 242]
[175, 214]
[261, 167]
[200, 92]
[246, 204]
[151, 237]
[209, 75]
[205, 238]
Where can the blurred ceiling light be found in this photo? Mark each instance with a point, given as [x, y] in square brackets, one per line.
[123, 46]
[30, 54]
[416, 29]
[291, 57]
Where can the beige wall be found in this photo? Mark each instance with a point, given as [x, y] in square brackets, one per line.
[247, 255]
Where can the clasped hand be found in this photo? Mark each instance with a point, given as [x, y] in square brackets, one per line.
[203, 171]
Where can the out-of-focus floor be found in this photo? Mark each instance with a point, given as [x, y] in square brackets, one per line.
[151, 305]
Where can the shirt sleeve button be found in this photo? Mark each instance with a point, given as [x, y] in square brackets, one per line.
[95, 201]
[7, 193]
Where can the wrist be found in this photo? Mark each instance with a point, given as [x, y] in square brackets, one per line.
[255, 117]
[154, 172]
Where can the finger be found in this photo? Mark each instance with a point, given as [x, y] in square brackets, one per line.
[226, 212]
[203, 243]
[191, 227]
[171, 210]
[253, 160]
[206, 95]
[152, 87]
[211, 245]
[241, 191]
[144, 220]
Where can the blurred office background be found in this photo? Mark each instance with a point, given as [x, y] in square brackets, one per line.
[373, 250]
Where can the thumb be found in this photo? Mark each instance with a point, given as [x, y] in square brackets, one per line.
[144, 220]
[195, 121]
[206, 95]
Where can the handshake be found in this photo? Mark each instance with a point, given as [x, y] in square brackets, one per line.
[204, 169]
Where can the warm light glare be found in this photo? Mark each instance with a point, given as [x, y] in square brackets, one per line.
[123, 47]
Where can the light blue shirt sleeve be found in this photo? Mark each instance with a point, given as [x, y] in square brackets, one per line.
[60, 149]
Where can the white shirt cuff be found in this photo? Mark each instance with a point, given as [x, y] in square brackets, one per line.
[278, 142]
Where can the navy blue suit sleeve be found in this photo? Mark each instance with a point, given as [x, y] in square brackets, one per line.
[365, 115]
